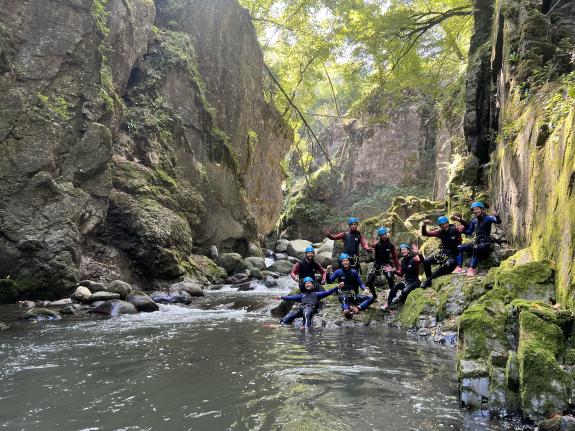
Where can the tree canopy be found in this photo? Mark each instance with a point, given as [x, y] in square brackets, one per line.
[345, 58]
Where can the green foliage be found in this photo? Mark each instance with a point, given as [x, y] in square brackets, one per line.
[338, 59]
[560, 102]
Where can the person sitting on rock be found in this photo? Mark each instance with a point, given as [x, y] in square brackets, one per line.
[384, 255]
[308, 267]
[309, 300]
[480, 226]
[349, 283]
[446, 257]
[352, 239]
[409, 270]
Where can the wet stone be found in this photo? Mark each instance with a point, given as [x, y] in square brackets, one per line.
[103, 296]
[92, 285]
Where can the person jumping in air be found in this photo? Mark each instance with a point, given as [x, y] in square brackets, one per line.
[409, 270]
[352, 239]
[308, 267]
[384, 255]
[480, 226]
[446, 257]
[309, 303]
[349, 283]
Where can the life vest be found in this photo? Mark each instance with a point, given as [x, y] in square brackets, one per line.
[307, 269]
[410, 268]
[450, 239]
[351, 242]
[310, 299]
[349, 280]
[483, 229]
[383, 251]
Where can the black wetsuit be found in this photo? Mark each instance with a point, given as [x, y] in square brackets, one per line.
[446, 258]
[309, 269]
[410, 271]
[384, 255]
[481, 246]
[309, 304]
[348, 295]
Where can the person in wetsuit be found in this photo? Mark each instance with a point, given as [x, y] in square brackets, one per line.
[349, 283]
[409, 270]
[308, 267]
[384, 255]
[352, 239]
[309, 303]
[480, 226]
[446, 258]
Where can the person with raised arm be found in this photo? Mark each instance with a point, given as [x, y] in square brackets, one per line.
[352, 240]
[409, 270]
[480, 228]
[349, 283]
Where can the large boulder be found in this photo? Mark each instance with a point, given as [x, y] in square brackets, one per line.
[296, 248]
[229, 261]
[41, 314]
[142, 302]
[542, 381]
[114, 308]
[326, 247]
[324, 259]
[181, 297]
[81, 294]
[257, 262]
[194, 288]
[281, 266]
[121, 288]
[281, 246]
[94, 286]
[103, 296]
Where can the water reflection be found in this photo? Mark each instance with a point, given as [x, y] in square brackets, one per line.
[223, 366]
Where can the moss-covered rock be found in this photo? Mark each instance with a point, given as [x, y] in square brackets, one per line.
[482, 330]
[533, 281]
[420, 302]
[543, 384]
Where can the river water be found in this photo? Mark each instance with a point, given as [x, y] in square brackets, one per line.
[223, 364]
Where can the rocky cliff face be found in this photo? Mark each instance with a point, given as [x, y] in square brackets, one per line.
[372, 164]
[123, 144]
[530, 122]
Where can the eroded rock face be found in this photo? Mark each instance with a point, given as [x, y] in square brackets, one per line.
[116, 159]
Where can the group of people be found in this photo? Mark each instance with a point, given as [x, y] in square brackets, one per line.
[449, 259]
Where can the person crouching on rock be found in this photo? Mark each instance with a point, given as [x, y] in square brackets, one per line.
[308, 267]
[480, 226]
[309, 303]
[352, 239]
[446, 257]
[349, 283]
[409, 270]
[384, 255]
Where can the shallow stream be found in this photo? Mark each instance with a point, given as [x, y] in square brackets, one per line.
[223, 364]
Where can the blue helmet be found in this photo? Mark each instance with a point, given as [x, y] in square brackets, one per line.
[308, 280]
[477, 205]
[344, 256]
[382, 231]
[309, 249]
[404, 245]
[352, 220]
[442, 220]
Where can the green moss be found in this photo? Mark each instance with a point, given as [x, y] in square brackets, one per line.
[419, 302]
[544, 334]
[203, 268]
[543, 384]
[538, 308]
[533, 280]
[55, 108]
[482, 330]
